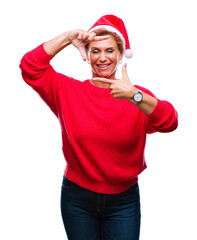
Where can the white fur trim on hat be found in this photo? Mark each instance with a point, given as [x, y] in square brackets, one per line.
[111, 29]
[128, 53]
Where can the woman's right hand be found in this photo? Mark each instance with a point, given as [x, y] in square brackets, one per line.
[79, 38]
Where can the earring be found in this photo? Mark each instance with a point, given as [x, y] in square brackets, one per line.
[120, 61]
[88, 61]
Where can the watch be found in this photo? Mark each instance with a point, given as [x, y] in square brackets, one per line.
[137, 97]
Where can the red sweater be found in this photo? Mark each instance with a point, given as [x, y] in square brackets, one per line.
[103, 137]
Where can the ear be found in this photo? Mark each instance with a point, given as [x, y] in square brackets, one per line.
[121, 56]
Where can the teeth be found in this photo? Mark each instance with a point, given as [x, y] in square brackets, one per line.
[103, 66]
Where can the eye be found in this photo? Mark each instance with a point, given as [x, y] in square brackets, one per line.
[95, 51]
[110, 50]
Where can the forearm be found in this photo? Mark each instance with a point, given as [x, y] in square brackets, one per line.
[148, 103]
[55, 45]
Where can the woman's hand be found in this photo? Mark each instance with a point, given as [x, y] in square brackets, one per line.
[79, 38]
[120, 88]
[124, 89]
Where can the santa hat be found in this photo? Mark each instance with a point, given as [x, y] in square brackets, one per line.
[112, 23]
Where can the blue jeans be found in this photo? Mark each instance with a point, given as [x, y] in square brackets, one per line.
[89, 215]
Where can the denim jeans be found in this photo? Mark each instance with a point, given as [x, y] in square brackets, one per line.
[89, 215]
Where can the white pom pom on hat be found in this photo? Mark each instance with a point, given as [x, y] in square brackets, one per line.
[128, 53]
[114, 24]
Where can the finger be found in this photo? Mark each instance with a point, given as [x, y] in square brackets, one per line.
[80, 35]
[85, 36]
[124, 70]
[104, 80]
[92, 35]
[100, 38]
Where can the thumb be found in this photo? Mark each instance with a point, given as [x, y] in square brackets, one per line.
[124, 71]
[83, 53]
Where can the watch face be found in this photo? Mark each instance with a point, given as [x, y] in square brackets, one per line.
[138, 97]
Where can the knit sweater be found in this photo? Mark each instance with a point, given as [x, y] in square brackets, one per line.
[103, 138]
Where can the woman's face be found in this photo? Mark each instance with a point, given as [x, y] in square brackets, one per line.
[104, 57]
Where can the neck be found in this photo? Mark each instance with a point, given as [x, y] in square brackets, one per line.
[99, 84]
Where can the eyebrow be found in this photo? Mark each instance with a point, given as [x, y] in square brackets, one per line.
[95, 48]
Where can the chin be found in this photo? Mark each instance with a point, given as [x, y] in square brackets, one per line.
[105, 75]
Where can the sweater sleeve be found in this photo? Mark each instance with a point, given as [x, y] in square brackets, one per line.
[164, 118]
[40, 75]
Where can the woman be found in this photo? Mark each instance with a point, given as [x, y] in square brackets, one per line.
[104, 123]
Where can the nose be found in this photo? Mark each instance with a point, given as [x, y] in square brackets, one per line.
[102, 57]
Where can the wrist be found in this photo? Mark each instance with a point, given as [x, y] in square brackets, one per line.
[65, 38]
[53, 46]
[132, 93]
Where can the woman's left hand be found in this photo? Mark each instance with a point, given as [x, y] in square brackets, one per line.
[120, 88]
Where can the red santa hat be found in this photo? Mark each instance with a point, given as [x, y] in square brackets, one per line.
[114, 24]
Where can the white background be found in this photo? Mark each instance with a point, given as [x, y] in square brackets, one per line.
[164, 41]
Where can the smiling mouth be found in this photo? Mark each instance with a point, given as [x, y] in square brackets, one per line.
[103, 66]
